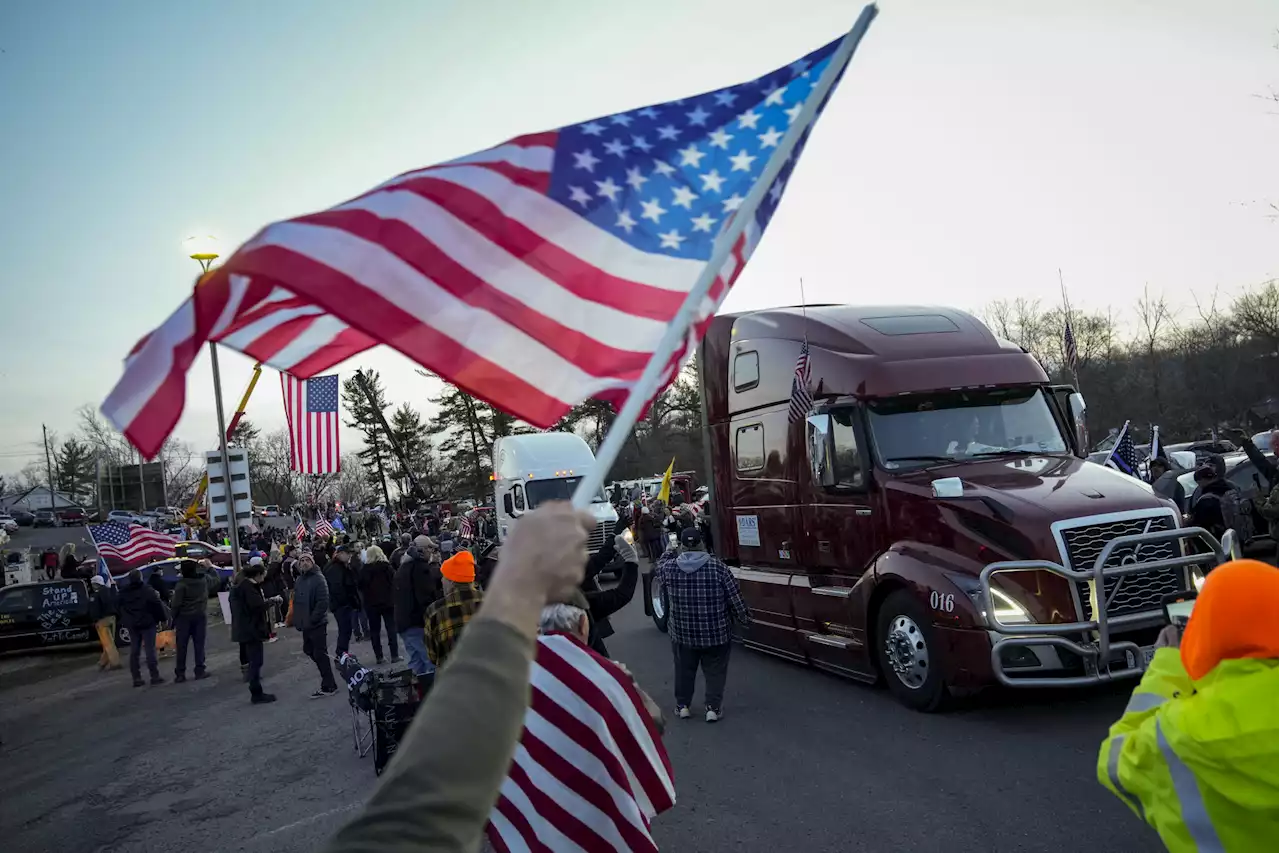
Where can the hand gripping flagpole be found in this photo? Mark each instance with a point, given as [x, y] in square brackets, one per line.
[672, 340]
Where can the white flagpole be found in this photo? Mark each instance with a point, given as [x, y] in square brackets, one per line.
[648, 383]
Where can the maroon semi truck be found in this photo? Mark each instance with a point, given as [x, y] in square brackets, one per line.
[931, 520]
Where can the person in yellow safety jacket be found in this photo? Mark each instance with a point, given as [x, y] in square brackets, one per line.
[1195, 753]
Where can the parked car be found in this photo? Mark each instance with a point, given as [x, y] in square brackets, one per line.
[125, 517]
[220, 555]
[74, 515]
[1241, 472]
[44, 614]
[24, 518]
[171, 569]
[271, 511]
[8, 523]
[1204, 449]
[45, 518]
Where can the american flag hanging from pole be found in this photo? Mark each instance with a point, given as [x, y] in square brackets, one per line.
[1124, 456]
[323, 528]
[801, 398]
[1069, 347]
[301, 532]
[311, 409]
[532, 275]
[590, 771]
[131, 544]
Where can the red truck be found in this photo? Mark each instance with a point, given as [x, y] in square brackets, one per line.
[930, 521]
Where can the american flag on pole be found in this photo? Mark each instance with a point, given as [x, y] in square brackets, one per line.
[533, 274]
[323, 528]
[801, 398]
[1069, 347]
[311, 409]
[301, 532]
[131, 544]
[1124, 456]
[590, 771]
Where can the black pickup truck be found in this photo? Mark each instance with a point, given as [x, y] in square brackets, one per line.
[46, 614]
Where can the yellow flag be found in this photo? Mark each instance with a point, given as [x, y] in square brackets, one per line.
[664, 494]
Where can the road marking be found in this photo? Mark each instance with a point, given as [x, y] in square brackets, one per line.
[316, 817]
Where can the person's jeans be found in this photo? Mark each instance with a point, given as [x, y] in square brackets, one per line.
[344, 616]
[315, 645]
[107, 636]
[655, 548]
[255, 667]
[143, 639]
[190, 627]
[715, 669]
[415, 646]
[379, 616]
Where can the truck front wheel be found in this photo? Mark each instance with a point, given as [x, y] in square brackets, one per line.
[655, 603]
[909, 653]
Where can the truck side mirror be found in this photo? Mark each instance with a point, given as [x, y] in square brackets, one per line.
[517, 493]
[507, 506]
[1078, 409]
[818, 429]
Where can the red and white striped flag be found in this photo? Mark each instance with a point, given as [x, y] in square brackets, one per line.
[301, 532]
[311, 409]
[532, 275]
[590, 771]
[323, 528]
[131, 544]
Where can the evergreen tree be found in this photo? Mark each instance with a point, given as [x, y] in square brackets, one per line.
[363, 411]
[411, 435]
[74, 467]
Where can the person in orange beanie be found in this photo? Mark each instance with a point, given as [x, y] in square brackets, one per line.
[448, 616]
[1195, 753]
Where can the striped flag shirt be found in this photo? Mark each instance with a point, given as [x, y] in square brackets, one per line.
[311, 409]
[131, 544]
[532, 275]
[801, 398]
[590, 771]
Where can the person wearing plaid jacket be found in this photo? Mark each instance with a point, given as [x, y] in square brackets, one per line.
[702, 597]
[449, 615]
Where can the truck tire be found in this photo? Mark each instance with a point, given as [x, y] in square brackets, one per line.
[909, 653]
[655, 604]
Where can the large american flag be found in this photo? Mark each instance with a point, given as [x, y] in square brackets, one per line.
[311, 409]
[323, 528]
[801, 398]
[590, 771]
[532, 275]
[131, 544]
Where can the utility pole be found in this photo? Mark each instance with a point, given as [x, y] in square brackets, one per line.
[48, 465]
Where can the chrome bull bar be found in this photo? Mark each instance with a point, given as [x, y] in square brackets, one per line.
[1097, 653]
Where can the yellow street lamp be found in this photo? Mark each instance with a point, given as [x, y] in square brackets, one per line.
[203, 249]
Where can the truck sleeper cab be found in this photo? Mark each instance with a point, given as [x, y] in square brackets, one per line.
[930, 521]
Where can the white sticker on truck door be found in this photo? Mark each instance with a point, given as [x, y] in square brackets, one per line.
[749, 531]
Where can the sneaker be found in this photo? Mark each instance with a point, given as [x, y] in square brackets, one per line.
[323, 691]
[378, 661]
[396, 658]
[682, 711]
[179, 678]
[201, 675]
[262, 698]
[714, 715]
[272, 638]
[157, 680]
[138, 682]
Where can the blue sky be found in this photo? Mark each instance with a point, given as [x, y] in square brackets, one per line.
[973, 149]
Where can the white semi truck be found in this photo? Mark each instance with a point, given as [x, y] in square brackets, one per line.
[533, 469]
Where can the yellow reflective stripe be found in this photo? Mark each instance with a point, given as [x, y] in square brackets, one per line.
[1140, 702]
[1195, 817]
[1113, 773]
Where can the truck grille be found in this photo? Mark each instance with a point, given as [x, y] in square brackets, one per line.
[596, 540]
[1138, 592]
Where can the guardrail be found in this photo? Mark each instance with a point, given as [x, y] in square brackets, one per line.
[1056, 634]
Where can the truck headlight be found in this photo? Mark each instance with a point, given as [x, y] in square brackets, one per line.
[1197, 578]
[1007, 610]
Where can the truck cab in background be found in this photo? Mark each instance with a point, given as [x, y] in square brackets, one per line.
[931, 520]
[532, 469]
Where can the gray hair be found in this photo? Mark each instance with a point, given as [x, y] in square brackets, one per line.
[561, 617]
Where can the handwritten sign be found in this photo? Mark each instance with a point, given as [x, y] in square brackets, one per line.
[66, 635]
[60, 597]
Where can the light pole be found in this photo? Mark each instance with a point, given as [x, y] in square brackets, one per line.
[204, 251]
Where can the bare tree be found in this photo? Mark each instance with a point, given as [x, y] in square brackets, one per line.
[1156, 320]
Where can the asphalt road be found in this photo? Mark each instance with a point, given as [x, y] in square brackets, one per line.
[802, 762]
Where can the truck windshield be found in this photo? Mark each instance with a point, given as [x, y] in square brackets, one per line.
[559, 489]
[922, 429]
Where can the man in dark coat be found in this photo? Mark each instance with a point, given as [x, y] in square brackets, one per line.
[417, 586]
[190, 619]
[249, 626]
[311, 617]
[603, 603]
[140, 611]
[377, 589]
[344, 595]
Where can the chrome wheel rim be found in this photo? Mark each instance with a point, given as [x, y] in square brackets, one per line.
[658, 610]
[907, 652]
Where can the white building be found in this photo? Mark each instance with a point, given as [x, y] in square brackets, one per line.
[37, 498]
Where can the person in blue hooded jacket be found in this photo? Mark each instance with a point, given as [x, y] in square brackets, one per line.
[702, 599]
